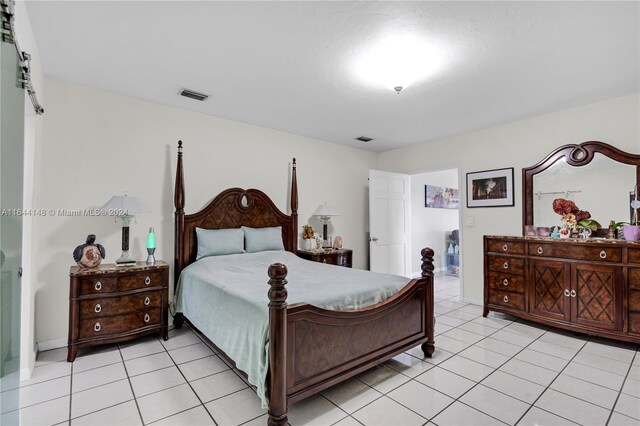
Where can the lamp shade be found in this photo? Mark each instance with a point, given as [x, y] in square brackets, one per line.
[325, 210]
[121, 205]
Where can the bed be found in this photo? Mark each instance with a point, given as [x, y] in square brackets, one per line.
[307, 348]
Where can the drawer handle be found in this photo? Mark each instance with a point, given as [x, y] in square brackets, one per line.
[98, 308]
[540, 250]
[573, 293]
[146, 317]
[505, 265]
[603, 254]
[98, 286]
[566, 292]
[505, 281]
[505, 248]
[146, 301]
[506, 299]
[147, 280]
[97, 327]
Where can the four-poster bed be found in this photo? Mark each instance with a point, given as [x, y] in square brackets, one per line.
[309, 348]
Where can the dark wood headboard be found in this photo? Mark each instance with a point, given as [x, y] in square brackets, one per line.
[231, 208]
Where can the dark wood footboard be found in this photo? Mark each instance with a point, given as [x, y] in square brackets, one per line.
[313, 348]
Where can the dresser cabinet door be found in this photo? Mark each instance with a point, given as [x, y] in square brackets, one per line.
[596, 298]
[550, 289]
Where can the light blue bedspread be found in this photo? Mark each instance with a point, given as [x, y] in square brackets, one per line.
[225, 297]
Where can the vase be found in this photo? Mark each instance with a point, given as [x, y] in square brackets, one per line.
[307, 244]
[631, 232]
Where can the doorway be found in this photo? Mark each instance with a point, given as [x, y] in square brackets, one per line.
[435, 220]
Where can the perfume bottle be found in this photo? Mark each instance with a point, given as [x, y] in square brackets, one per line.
[151, 247]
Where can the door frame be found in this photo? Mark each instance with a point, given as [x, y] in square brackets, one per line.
[460, 222]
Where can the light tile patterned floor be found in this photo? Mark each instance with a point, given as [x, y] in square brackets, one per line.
[485, 371]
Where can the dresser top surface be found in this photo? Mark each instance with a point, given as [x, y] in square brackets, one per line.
[565, 240]
[110, 268]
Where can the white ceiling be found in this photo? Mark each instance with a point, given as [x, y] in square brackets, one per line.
[289, 65]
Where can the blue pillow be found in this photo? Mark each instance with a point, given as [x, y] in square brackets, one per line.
[261, 239]
[216, 242]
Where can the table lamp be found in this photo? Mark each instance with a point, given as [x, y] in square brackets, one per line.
[124, 207]
[325, 212]
[151, 247]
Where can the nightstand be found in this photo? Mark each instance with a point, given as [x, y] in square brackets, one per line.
[340, 257]
[110, 304]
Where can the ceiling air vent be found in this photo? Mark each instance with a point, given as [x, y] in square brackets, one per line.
[364, 139]
[193, 95]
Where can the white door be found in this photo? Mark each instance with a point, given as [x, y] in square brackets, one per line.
[389, 222]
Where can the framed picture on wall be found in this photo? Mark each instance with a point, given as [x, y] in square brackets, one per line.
[441, 198]
[490, 188]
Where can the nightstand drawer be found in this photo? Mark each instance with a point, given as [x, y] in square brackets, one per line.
[107, 306]
[339, 257]
[105, 326]
[110, 284]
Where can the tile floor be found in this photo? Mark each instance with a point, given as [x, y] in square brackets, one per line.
[485, 371]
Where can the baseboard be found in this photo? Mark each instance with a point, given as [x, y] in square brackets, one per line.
[51, 344]
[472, 301]
[26, 372]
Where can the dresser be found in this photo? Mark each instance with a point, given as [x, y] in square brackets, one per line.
[587, 286]
[112, 304]
[340, 257]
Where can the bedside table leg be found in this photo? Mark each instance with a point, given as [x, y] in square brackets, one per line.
[72, 352]
[165, 333]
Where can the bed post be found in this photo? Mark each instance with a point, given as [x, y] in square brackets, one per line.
[294, 206]
[178, 202]
[277, 345]
[427, 274]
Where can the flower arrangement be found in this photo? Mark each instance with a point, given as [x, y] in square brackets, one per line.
[307, 232]
[572, 216]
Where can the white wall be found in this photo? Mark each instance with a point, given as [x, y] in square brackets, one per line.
[32, 138]
[520, 144]
[99, 144]
[428, 225]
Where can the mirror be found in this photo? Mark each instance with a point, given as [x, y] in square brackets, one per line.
[601, 188]
[596, 176]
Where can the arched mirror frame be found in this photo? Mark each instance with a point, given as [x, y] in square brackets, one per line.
[576, 155]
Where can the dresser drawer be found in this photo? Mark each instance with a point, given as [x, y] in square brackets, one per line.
[506, 282]
[506, 247]
[126, 282]
[105, 326]
[507, 299]
[512, 265]
[576, 251]
[107, 306]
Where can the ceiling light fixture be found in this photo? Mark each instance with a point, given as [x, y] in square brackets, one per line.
[363, 139]
[398, 61]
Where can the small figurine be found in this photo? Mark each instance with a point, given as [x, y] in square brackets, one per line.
[337, 242]
[89, 255]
